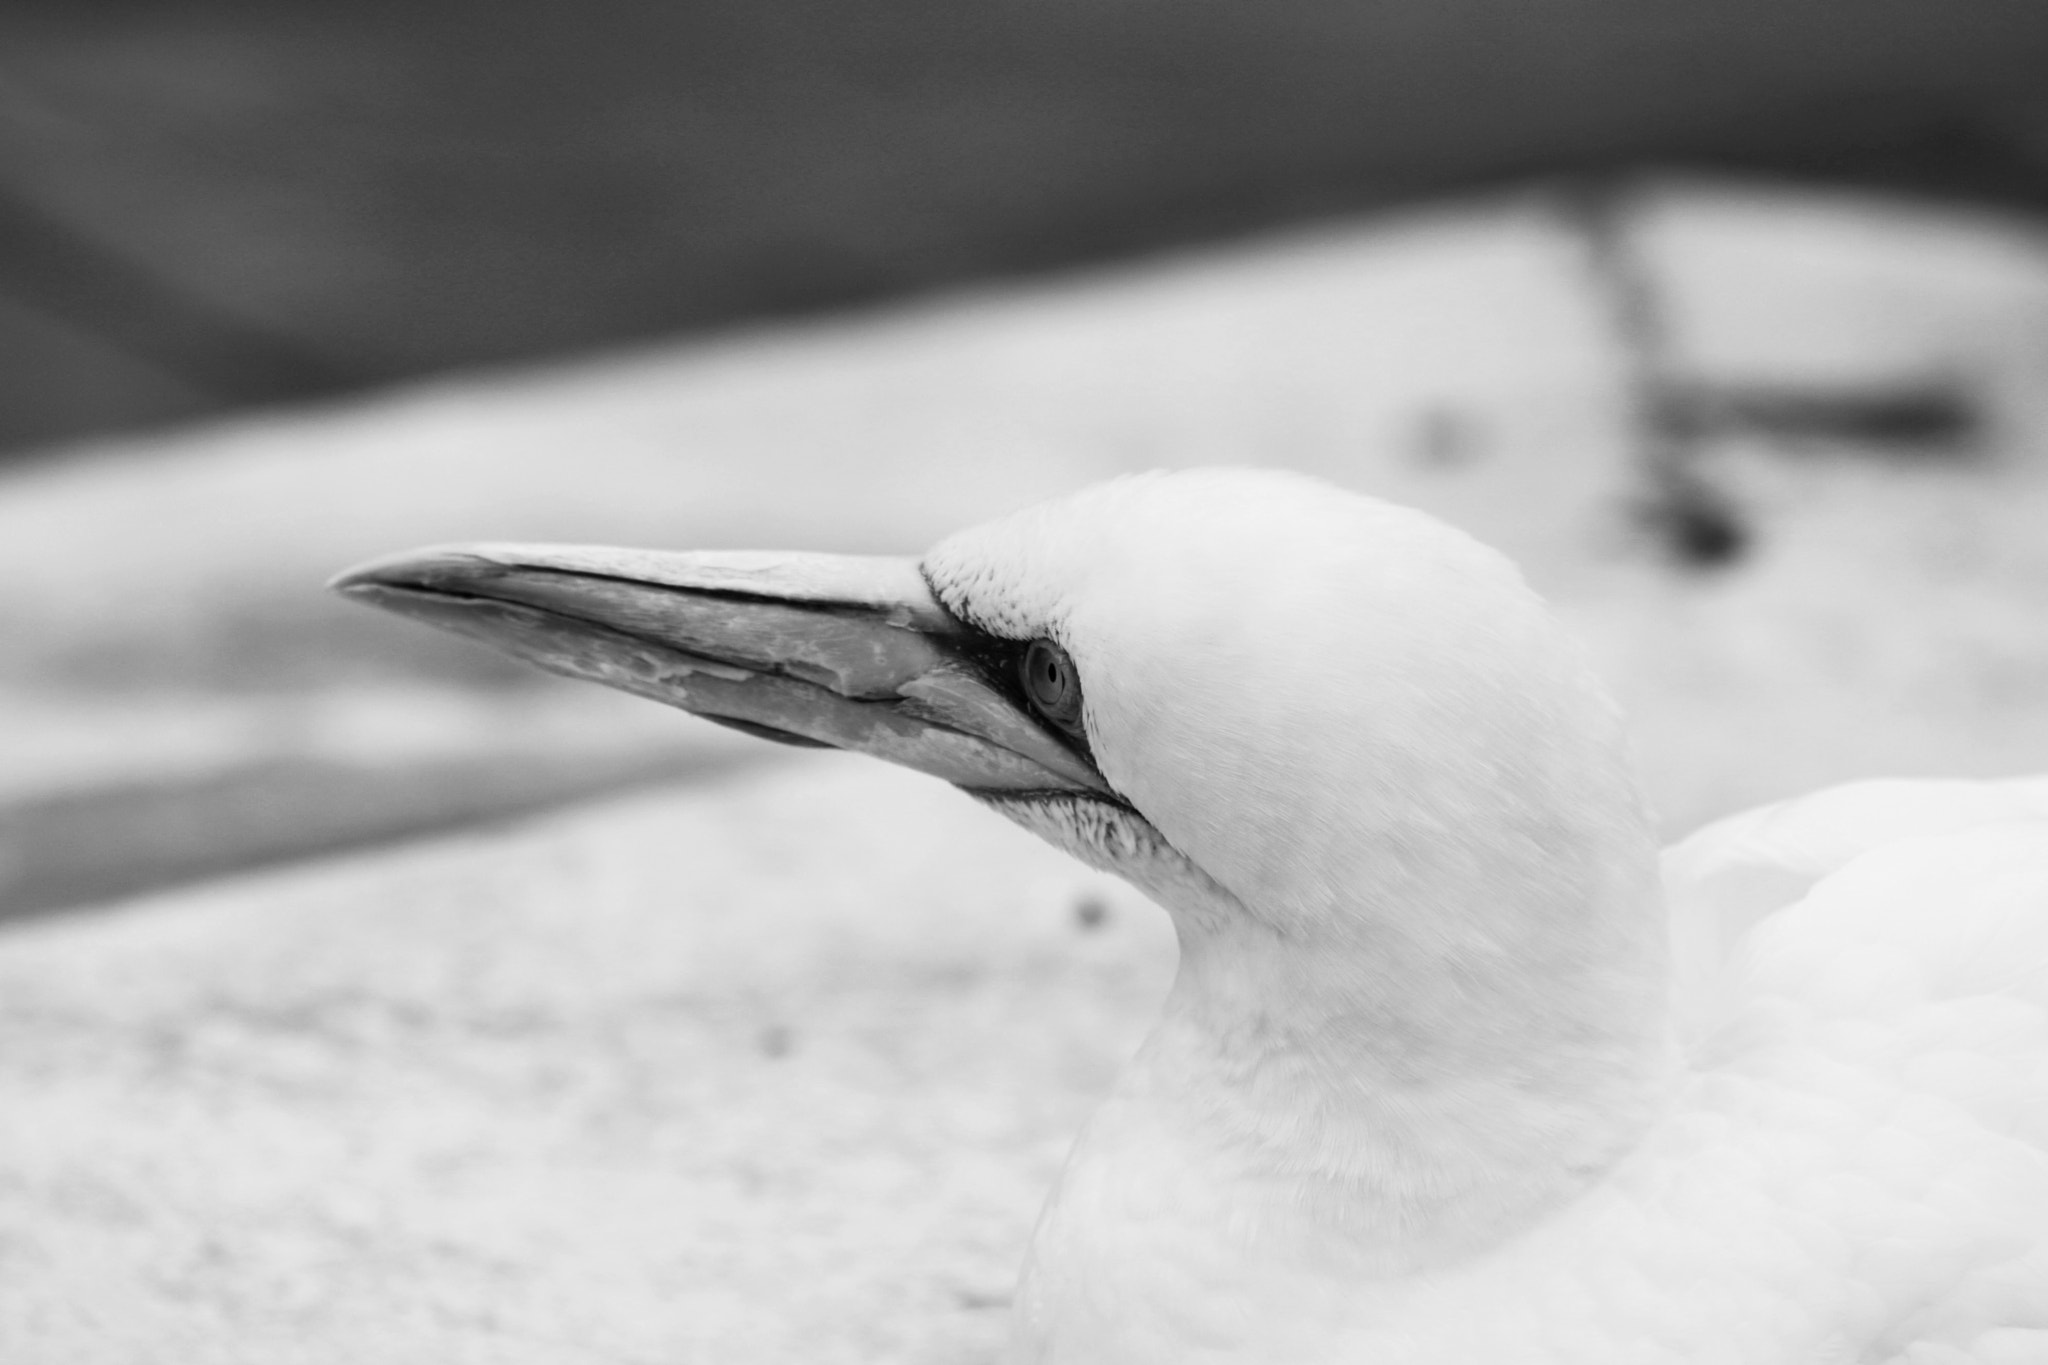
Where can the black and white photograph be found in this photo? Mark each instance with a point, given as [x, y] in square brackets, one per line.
[1086, 682]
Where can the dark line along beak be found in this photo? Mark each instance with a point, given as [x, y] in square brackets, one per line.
[845, 651]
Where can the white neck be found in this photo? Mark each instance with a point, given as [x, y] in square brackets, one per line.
[1428, 1115]
[1472, 1037]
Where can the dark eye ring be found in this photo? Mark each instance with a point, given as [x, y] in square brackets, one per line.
[1052, 684]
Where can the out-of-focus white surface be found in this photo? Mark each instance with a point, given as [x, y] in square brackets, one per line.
[1784, 289]
[773, 1071]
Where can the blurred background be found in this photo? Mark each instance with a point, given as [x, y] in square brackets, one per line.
[207, 204]
[1727, 301]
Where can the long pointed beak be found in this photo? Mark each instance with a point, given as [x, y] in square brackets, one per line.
[850, 652]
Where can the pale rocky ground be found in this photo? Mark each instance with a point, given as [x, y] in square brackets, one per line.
[773, 1063]
[774, 1070]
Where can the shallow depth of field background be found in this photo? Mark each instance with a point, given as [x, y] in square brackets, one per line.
[363, 995]
[206, 203]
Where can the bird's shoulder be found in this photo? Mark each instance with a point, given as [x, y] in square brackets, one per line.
[1818, 899]
[1864, 1001]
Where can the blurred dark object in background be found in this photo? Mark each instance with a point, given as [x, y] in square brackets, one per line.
[204, 205]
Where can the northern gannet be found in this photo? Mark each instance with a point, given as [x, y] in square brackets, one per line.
[1441, 1078]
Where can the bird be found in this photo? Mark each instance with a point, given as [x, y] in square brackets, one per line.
[1457, 1065]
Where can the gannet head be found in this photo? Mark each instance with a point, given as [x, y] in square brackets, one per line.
[1307, 694]
[1390, 811]
[1229, 685]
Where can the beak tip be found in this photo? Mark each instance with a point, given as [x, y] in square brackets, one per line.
[438, 567]
[353, 583]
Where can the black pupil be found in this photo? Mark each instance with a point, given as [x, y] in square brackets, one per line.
[1049, 678]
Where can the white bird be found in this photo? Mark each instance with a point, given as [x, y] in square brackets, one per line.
[1449, 1072]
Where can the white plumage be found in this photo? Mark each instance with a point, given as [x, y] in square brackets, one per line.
[1452, 1071]
[1418, 1096]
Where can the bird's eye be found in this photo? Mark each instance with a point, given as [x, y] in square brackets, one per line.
[1052, 685]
